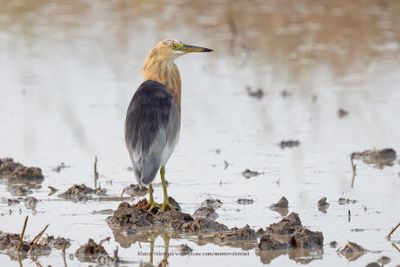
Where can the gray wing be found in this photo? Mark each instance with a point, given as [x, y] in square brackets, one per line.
[152, 122]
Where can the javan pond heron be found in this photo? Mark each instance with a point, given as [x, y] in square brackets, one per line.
[153, 118]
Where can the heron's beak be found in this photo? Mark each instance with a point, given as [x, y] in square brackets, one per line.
[191, 48]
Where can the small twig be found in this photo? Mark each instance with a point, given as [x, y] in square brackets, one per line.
[116, 258]
[226, 164]
[354, 170]
[396, 247]
[63, 255]
[38, 236]
[22, 233]
[392, 231]
[96, 173]
[349, 215]
[104, 240]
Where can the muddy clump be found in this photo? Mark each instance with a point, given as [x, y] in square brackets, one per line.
[90, 251]
[375, 157]
[352, 251]
[344, 201]
[323, 205]
[59, 243]
[268, 242]
[333, 244]
[287, 225]
[249, 173]
[245, 201]
[198, 225]
[258, 93]
[281, 206]
[8, 240]
[26, 174]
[31, 202]
[342, 113]
[384, 260]
[11, 243]
[18, 190]
[137, 216]
[307, 239]
[290, 233]
[289, 143]
[282, 203]
[81, 192]
[240, 234]
[15, 171]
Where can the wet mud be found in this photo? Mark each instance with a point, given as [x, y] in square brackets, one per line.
[376, 158]
[82, 192]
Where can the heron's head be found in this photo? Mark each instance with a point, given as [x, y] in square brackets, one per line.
[171, 49]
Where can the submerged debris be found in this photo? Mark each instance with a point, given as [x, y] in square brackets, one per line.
[248, 173]
[60, 167]
[184, 250]
[323, 205]
[343, 201]
[259, 93]
[373, 264]
[342, 113]
[352, 251]
[245, 201]
[81, 192]
[375, 157]
[285, 93]
[90, 252]
[289, 143]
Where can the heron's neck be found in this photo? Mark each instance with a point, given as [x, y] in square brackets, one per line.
[164, 72]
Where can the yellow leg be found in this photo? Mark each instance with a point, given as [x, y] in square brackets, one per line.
[151, 198]
[166, 205]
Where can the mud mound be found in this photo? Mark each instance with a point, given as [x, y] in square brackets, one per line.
[81, 192]
[294, 235]
[90, 251]
[375, 157]
[15, 171]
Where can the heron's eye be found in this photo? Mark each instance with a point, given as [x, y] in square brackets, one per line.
[174, 46]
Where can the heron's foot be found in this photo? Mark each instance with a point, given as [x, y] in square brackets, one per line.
[153, 206]
[166, 205]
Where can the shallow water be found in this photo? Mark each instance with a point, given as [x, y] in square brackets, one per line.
[69, 69]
